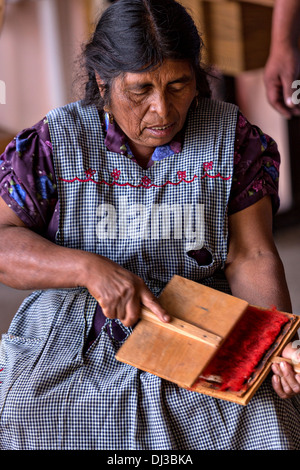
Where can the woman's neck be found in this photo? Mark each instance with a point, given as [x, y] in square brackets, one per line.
[141, 154]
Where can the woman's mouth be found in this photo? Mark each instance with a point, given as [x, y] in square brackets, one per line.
[162, 130]
[161, 127]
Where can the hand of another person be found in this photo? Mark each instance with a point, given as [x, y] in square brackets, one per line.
[282, 69]
[119, 292]
[286, 382]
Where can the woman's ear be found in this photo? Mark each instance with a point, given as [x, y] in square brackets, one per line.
[101, 84]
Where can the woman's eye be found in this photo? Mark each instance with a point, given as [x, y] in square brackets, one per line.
[139, 91]
[177, 88]
[138, 96]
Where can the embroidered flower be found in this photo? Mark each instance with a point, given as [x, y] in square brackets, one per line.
[208, 166]
[146, 181]
[181, 175]
[89, 173]
[115, 174]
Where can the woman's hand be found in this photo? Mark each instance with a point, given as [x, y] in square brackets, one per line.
[286, 382]
[119, 292]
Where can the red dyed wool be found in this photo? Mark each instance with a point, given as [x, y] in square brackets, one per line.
[242, 351]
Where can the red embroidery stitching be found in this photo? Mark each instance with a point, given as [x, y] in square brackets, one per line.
[181, 175]
[89, 173]
[209, 166]
[116, 174]
[145, 181]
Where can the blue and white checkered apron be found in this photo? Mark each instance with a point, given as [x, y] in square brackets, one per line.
[57, 395]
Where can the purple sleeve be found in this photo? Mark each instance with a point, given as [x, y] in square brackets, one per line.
[27, 179]
[256, 167]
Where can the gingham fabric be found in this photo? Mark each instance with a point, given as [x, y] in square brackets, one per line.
[103, 186]
[54, 395]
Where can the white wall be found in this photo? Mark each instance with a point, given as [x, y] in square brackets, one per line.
[39, 42]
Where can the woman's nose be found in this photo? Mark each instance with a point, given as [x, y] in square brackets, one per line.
[160, 104]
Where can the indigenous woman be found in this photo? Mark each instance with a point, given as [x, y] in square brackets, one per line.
[80, 192]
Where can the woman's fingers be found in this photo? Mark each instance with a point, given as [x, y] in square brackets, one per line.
[121, 293]
[132, 311]
[142, 296]
[150, 301]
[129, 307]
[285, 382]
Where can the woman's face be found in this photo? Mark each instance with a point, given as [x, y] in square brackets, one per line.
[151, 107]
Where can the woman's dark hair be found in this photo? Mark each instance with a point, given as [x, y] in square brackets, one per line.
[136, 35]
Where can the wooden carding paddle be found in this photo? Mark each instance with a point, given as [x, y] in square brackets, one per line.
[201, 319]
[203, 322]
[184, 328]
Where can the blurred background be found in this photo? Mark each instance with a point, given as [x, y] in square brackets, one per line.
[40, 46]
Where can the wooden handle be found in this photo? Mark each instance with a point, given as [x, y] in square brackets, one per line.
[184, 328]
[278, 359]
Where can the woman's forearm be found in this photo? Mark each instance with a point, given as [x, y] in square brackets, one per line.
[253, 268]
[260, 280]
[30, 261]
